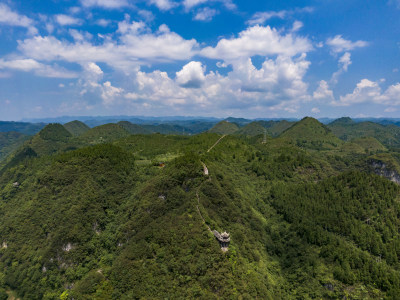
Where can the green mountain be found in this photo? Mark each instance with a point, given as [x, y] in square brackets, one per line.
[342, 122]
[52, 138]
[388, 135]
[251, 129]
[133, 128]
[103, 133]
[310, 133]
[76, 128]
[309, 216]
[275, 128]
[224, 127]
[9, 142]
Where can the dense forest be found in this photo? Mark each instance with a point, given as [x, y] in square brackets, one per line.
[128, 211]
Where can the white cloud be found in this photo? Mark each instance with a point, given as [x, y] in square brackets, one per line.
[61, 85]
[390, 109]
[192, 3]
[147, 15]
[365, 91]
[189, 4]
[28, 65]
[323, 92]
[258, 40]
[110, 93]
[344, 63]
[260, 18]
[205, 14]
[191, 75]
[11, 18]
[315, 110]
[221, 64]
[109, 4]
[277, 86]
[297, 25]
[135, 45]
[103, 22]
[163, 4]
[65, 20]
[339, 44]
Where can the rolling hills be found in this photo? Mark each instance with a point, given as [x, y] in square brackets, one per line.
[96, 216]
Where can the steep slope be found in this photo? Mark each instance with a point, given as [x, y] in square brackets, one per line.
[133, 128]
[103, 134]
[76, 128]
[9, 142]
[310, 133]
[52, 138]
[370, 144]
[224, 127]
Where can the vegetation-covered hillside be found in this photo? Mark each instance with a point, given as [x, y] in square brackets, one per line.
[346, 129]
[224, 127]
[111, 215]
[76, 128]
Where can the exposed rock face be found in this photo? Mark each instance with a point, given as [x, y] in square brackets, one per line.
[381, 169]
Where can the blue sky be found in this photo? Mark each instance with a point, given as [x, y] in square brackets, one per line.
[321, 58]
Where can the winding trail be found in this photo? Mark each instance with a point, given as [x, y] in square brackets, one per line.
[216, 143]
[206, 173]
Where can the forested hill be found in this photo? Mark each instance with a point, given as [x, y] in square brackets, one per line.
[102, 213]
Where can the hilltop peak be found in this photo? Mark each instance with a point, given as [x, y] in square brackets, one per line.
[54, 132]
[311, 133]
[76, 127]
[342, 121]
[224, 127]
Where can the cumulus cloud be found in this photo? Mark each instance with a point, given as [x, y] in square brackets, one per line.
[163, 4]
[28, 65]
[368, 91]
[323, 92]
[109, 4]
[315, 110]
[258, 40]
[135, 45]
[12, 18]
[109, 93]
[65, 20]
[205, 14]
[344, 63]
[365, 91]
[189, 4]
[191, 75]
[339, 44]
[277, 86]
[260, 18]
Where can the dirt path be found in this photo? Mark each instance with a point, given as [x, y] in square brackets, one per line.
[216, 143]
